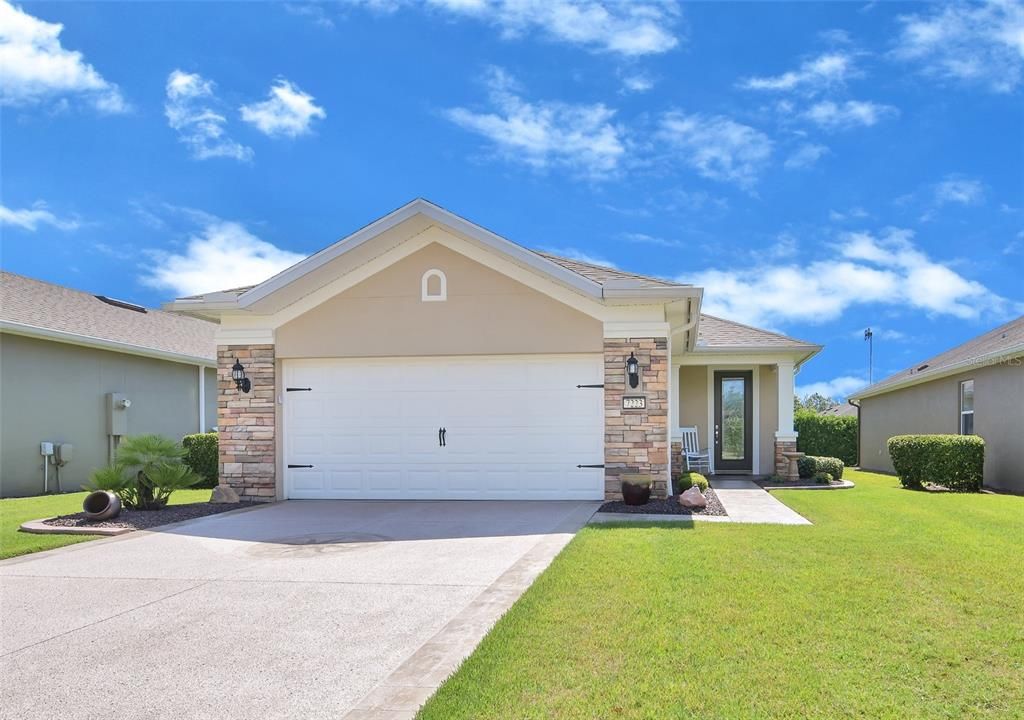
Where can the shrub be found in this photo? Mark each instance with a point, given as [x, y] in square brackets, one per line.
[810, 465]
[823, 478]
[826, 435]
[637, 480]
[953, 461]
[688, 479]
[201, 455]
[146, 470]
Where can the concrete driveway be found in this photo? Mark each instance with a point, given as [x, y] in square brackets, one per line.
[303, 609]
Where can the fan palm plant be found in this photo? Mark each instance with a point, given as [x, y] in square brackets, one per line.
[146, 470]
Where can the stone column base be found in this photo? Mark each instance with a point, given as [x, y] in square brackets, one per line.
[782, 463]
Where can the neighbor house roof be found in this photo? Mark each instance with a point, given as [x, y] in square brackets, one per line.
[1004, 341]
[41, 309]
[715, 333]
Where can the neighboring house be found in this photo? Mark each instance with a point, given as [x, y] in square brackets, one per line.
[841, 410]
[975, 388]
[426, 357]
[63, 356]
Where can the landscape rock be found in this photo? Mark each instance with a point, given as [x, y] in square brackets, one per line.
[224, 495]
[693, 498]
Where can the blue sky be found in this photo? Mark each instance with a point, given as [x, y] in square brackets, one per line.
[817, 167]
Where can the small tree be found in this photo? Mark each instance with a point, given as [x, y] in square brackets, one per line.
[818, 403]
[146, 470]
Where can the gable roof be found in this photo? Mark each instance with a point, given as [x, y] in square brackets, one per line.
[592, 281]
[715, 333]
[41, 309]
[1004, 341]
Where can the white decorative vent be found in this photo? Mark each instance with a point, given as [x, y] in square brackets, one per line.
[434, 286]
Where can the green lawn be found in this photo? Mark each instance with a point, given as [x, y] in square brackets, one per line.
[895, 604]
[15, 511]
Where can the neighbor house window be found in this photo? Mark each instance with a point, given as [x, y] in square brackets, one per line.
[967, 407]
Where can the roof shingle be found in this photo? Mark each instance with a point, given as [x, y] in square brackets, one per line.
[43, 305]
[715, 332]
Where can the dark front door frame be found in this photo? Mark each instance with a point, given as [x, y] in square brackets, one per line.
[745, 465]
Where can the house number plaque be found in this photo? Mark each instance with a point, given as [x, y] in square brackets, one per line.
[635, 402]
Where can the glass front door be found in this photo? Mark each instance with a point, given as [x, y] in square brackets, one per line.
[734, 421]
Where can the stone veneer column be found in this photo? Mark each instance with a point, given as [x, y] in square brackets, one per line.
[636, 441]
[245, 422]
[784, 445]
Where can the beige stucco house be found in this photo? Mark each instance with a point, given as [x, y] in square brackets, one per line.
[975, 388]
[426, 357]
[81, 370]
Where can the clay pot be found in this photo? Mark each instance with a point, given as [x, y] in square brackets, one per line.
[101, 505]
[635, 494]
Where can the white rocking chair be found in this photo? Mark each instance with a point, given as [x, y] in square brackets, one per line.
[692, 455]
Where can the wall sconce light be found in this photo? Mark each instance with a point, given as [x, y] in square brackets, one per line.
[633, 370]
[238, 375]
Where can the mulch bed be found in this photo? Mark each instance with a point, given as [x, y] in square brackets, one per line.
[667, 506]
[144, 519]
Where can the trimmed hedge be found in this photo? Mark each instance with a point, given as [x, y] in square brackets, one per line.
[810, 465]
[202, 456]
[956, 462]
[826, 435]
[688, 479]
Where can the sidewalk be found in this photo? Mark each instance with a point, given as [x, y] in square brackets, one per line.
[746, 502]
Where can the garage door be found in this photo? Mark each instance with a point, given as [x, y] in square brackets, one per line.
[503, 427]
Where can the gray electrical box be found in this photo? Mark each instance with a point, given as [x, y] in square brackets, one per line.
[117, 414]
[62, 454]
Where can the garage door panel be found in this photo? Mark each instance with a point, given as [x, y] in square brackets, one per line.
[517, 427]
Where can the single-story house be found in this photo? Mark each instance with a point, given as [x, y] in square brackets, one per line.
[974, 389]
[424, 356]
[78, 371]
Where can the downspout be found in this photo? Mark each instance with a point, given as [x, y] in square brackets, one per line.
[857, 405]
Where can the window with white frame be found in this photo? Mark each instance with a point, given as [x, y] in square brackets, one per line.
[434, 286]
[967, 407]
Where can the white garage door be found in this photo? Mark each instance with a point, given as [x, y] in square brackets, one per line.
[501, 427]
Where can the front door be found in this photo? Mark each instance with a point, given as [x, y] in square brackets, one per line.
[734, 404]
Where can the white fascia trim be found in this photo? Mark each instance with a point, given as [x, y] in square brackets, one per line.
[962, 366]
[15, 328]
[747, 356]
[636, 329]
[244, 336]
[420, 206]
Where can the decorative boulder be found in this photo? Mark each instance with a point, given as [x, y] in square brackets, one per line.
[693, 498]
[224, 495]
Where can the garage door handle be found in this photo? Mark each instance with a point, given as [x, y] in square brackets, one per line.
[298, 466]
[442, 439]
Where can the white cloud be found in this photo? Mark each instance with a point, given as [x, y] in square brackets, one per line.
[887, 269]
[825, 71]
[545, 134]
[645, 239]
[716, 146]
[980, 43]
[854, 213]
[31, 218]
[637, 83]
[624, 28]
[852, 113]
[36, 68]
[312, 10]
[839, 387]
[190, 110]
[288, 111]
[962, 191]
[805, 156]
[222, 255]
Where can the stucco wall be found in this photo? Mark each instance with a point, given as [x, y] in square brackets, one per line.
[56, 392]
[934, 407]
[485, 313]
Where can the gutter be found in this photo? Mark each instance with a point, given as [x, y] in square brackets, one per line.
[856, 405]
[103, 344]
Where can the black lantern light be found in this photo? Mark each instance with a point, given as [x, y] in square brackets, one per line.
[633, 370]
[238, 375]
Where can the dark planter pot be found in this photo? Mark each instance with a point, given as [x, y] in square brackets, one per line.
[635, 494]
[101, 505]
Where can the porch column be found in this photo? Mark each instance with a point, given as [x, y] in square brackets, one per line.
[675, 422]
[246, 421]
[785, 435]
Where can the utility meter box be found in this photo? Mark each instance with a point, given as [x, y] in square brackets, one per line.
[46, 448]
[117, 414]
[62, 456]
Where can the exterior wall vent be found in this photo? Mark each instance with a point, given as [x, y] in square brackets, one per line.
[121, 304]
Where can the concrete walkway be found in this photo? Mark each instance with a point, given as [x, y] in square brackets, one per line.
[747, 502]
[303, 609]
